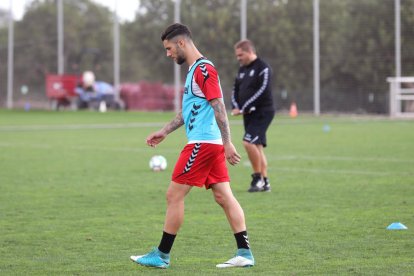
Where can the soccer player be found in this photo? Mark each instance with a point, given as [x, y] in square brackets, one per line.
[252, 98]
[202, 162]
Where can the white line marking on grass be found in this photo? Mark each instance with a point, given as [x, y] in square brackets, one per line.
[76, 127]
[341, 158]
[330, 171]
[279, 120]
[137, 149]
[17, 145]
[333, 171]
[82, 148]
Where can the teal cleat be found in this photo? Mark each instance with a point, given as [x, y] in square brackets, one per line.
[155, 258]
[243, 258]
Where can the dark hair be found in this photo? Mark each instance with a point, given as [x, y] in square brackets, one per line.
[175, 30]
[246, 45]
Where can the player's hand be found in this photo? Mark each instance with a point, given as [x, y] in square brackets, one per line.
[235, 112]
[155, 138]
[232, 156]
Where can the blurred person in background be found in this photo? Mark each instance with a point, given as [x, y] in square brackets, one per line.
[94, 94]
[252, 97]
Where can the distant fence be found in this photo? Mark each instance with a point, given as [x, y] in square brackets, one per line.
[356, 53]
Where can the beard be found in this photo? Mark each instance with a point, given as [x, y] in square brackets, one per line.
[180, 60]
[180, 56]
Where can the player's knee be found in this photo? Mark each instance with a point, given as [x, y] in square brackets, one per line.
[224, 199]
[219, 198]
[172, 197]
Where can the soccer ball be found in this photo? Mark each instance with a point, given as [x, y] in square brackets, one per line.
[158, 163]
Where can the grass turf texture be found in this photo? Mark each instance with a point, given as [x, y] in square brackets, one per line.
[77, 197]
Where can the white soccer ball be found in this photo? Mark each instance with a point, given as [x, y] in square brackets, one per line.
[158, 163]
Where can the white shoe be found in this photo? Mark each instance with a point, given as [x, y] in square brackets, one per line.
[237, 261]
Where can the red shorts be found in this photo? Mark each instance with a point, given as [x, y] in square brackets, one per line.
[201, 164]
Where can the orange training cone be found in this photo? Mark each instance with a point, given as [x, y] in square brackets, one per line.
[293, 112]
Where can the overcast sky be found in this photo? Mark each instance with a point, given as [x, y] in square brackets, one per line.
[126, 8]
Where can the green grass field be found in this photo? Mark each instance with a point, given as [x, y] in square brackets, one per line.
[77, 197]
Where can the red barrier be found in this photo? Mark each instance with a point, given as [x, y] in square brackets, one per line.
[61, 86]
[147, 96]
[60, 89]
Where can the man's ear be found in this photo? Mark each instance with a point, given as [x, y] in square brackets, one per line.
[181, 43]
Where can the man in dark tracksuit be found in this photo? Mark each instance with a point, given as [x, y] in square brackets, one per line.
[252, 98]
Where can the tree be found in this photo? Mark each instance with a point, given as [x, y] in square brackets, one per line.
[142, 57]
[88, 42]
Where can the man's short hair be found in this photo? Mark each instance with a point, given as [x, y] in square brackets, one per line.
[246, 45]
[174, 30]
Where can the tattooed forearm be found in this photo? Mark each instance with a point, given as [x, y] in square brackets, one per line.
[221, 118]
[174, 124]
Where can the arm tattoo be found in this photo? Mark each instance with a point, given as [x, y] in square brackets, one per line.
[221, 118]
[175, 123]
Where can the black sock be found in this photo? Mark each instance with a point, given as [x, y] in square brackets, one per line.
[266, 180]
[166, 242]
[257, 175]
[242, 240]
